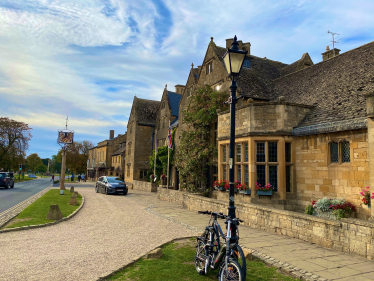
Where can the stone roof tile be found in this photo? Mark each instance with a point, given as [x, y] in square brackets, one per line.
[147, 111]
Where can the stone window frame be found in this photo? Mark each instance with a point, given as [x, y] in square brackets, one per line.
[340, 161]
[289, 165]
[129, 149]
[209, 67]
[243, 163]
[267, 164]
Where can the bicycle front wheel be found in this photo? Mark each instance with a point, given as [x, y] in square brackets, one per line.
[240, 257]
[199, 264]
[233, 273]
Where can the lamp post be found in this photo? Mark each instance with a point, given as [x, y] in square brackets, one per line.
[233, 60]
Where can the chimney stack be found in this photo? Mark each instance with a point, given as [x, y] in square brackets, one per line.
[111, 134]
[179, 89]
[330, 53]
[229, 42]
[247, 47]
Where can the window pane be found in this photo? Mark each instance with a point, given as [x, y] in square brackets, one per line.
[260, 151]
[288, 179]
[224, 152]
[272, 152]
[238, 152]
[345, 152]
[246, 152]
[239, 173]
[261, 175]
[288, 152]
[246, 175]
[224, 173]
[334, 152]
[273, 176]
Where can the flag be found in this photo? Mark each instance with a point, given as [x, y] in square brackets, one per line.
[170, 139]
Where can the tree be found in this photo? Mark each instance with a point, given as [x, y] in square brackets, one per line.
[33, 161]
[76, 156]
[196, 152]
[56, 164]
[41, 168]
[14, 139]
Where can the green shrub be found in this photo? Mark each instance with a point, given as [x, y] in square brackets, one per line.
[339, 213]
[56, 181]
[323, 204]
[309, 210]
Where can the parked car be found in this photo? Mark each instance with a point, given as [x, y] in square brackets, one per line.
[111, 185]
[6, 180]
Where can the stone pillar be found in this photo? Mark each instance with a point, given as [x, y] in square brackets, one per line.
[370, 125]
[282, 169]
[252, 166]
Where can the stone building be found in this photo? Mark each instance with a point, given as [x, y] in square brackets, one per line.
[168, 113]
[304, 129]
[99, 161]
[140, 138]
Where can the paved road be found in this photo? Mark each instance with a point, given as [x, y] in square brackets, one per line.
[21, 191]
[108, 232]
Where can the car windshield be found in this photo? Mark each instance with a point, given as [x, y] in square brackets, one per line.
[115, 180]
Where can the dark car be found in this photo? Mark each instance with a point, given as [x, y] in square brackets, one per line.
[6, 180]
[111, 185]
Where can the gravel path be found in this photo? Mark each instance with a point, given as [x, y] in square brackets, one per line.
[105, 235]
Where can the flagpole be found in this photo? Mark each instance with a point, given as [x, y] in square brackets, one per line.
[167, 184]
[154, 166]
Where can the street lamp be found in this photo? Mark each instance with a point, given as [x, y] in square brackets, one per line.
[233, 60]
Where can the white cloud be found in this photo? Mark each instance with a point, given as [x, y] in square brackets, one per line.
[88, 58]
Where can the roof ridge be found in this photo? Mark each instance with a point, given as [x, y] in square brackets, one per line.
[319, 63]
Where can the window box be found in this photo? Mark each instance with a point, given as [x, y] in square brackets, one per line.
[247, 191]
[235, 190]
[221, 188]
[265, 192]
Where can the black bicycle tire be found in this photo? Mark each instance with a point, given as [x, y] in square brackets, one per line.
[242, 257]
[234, 263]
[199, 270]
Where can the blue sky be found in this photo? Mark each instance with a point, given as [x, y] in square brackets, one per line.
[86, 59]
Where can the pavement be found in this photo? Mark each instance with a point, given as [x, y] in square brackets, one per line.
[110, 231]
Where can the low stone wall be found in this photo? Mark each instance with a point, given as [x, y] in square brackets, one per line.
[144, 186]
[224, 196]
[348, 235]
[170, 195]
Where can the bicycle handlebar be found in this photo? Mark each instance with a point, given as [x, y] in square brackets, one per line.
[219, 215]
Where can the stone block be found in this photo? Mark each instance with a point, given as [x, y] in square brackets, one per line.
[73, 200]
[72, 189]
[358, 247]
[54, 213]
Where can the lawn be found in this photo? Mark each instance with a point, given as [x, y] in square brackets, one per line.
[37, 212]
[177, 263]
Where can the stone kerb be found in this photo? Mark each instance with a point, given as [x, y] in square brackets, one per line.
[348, 235]
[144, 186]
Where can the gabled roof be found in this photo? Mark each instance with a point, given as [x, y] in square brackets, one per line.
[300, 64]
[174, 100]
[146, 111]
[119, 150]
[335, 86]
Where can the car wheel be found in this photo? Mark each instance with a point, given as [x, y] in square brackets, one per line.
[125, 192]
[106, 191]
[7, 186]
[13, 185]
[97, 189]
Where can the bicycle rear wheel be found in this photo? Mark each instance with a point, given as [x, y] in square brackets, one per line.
[233, 273]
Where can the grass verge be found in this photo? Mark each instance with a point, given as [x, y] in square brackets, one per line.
[37, 212]
[177, 263]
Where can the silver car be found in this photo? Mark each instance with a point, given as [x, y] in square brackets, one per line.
[111, 185]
